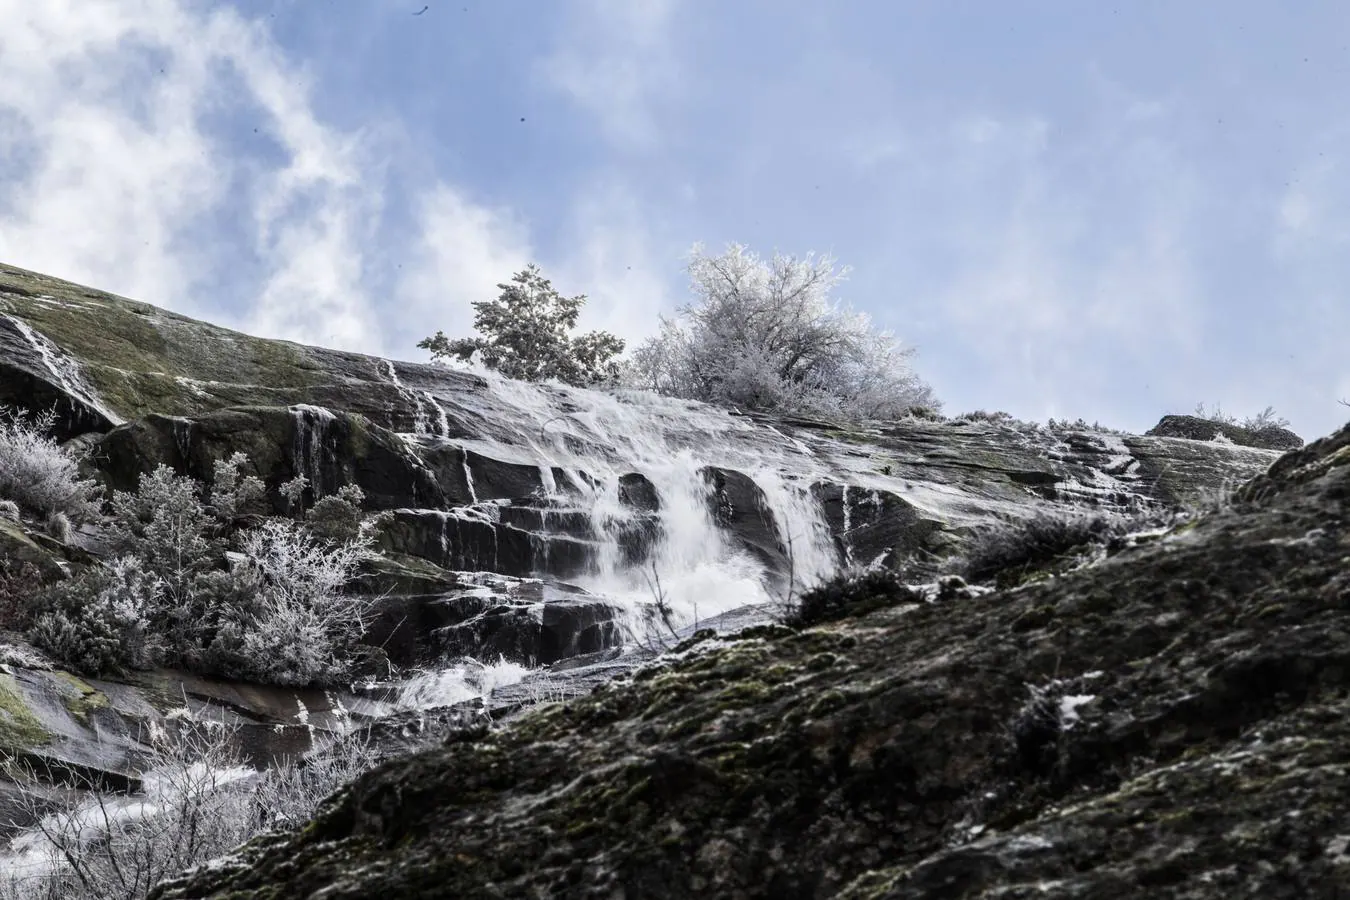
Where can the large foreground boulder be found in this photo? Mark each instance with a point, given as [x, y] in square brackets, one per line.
[1170, 721]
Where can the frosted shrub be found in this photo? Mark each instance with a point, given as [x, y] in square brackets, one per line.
[99, 621]
[1263, 421]
[275, 611]
[199, 801]
[337, 518]
[38, 475]
[234, 496]
[296, 624]
[165, 525]
[766, 335]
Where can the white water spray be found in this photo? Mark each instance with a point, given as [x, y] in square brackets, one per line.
[584, 441]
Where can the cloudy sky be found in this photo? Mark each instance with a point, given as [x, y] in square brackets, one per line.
[1110, 210]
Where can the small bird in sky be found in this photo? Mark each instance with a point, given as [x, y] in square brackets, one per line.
[422, 10]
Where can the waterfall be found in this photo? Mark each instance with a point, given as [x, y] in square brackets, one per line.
[309, 449]
[584, 441]
[64, 370]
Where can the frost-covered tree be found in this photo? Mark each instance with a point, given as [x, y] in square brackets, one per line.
[203, 582]
[765, 334]
[38, 475]
[526, 335]
[290, 619]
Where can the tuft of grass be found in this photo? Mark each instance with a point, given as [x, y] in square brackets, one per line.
[1012, 548]
[849, 594]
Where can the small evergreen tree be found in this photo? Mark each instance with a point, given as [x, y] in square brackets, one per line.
[526, 336]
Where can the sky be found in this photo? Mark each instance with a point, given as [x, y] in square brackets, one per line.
[1105, 210]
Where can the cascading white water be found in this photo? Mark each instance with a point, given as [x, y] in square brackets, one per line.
[64, 369]
[311, 428]
[595, 437]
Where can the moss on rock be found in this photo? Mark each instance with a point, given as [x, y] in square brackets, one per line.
[19, 729]
[1189, 694]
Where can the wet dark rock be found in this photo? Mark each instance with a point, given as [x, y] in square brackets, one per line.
[874, 526]
[474, 539]
[535, 633]
[1171, 721]
[478, 477]
[741, 507]
[637, 492]
[484, 616]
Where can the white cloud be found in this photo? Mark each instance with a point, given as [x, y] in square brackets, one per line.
[613, 261]
[464, 250]
[103, 183]
[615, 60]
[111, 104]
[120, 127]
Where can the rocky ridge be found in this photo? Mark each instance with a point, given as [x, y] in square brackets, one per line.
[501, 501]
[1168, 722]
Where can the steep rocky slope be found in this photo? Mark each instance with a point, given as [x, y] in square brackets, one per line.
[523, 522]
[1171, 722]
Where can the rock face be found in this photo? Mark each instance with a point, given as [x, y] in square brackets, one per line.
[1195, 428]
[530, 524]
[1169, 721]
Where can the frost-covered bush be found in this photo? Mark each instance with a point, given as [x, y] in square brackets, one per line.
[233, 497]
[37, 474]
[291, 620]
[1263, 421]
[337, 518]
[100, 621]
[983, 415]
[766, 335]
[265, 603]
[165, 525]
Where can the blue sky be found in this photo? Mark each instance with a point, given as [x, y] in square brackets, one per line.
[1107, 210]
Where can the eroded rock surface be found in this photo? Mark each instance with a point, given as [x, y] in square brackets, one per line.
[1171, 721]
[895, 754]
[1196, 428]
